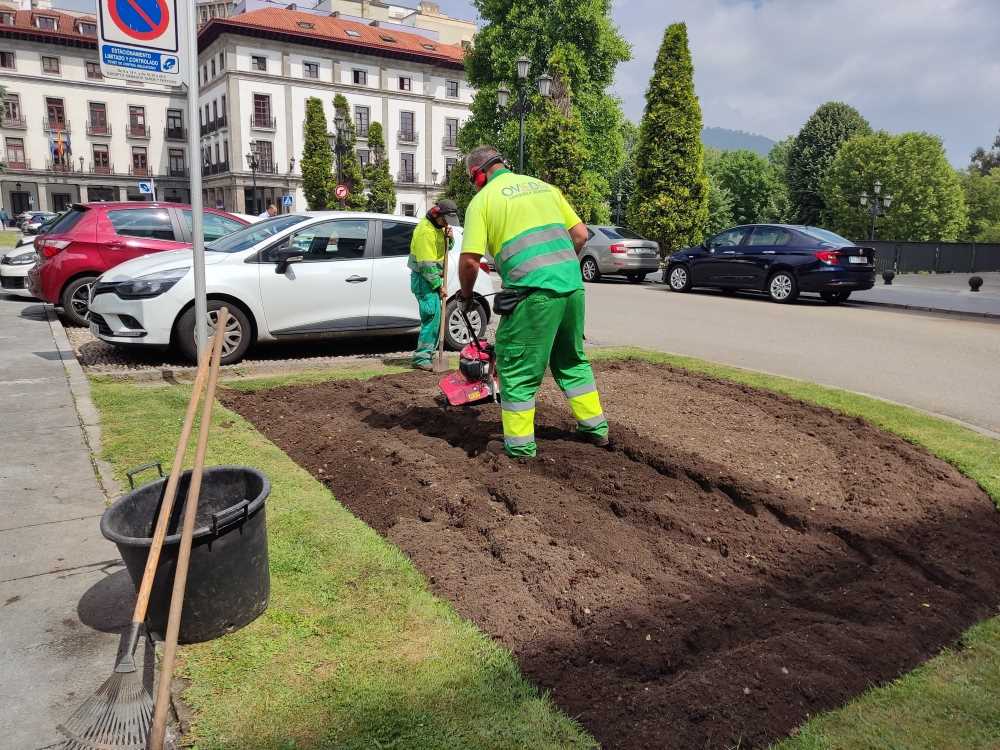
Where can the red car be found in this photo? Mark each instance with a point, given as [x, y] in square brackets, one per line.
[92, 238]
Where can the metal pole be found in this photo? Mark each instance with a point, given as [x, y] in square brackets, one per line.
[520, 133]
[253, 176]
[194, 147]
[874, 216]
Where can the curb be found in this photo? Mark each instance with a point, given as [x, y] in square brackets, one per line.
[933, 310]
[90, 420]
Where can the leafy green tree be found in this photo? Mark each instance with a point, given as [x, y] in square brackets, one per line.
[350, 166]
[381, 188]
[558, 148]
[581, 33]
[813, 150]
[928, 204]
[985, 161]
[458, 188]
[751, 183]
[720, 208]
[317, 157]
[982, 196]
[623, 184]
[670, 203]
[778, 159]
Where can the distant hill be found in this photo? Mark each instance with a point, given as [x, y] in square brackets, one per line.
[732, 140]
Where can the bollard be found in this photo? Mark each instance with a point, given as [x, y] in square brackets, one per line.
[975, 282]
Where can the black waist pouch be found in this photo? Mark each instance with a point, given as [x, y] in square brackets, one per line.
[504, 302]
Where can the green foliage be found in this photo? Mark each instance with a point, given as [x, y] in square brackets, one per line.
[813, 150]
[778, 158]
[670, 204]
[350, 167]
[381, 188]
[928, 204]
[751, 182]
[623, 184]
[580, 33]
[317, 157]
[983, 161]
[720, 208]
[982, 196]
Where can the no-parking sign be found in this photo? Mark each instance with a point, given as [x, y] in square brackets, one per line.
[143, 40]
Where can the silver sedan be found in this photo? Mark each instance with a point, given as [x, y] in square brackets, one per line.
[612, 250]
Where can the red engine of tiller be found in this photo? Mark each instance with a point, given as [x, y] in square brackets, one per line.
[476, 380]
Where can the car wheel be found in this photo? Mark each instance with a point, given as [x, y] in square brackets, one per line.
[76, 300]
[834, 298]
[456, 333]
[237, 338]
[589, 270]
[782, 287]
[678, 279]
[636, 278]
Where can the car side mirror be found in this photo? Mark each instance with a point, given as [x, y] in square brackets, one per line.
[285, 256]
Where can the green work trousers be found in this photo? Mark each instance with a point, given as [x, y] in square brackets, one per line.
[545, 330]
[430, 318]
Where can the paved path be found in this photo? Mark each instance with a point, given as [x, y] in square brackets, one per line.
[62, 588]
[940, 364]
[946, 291]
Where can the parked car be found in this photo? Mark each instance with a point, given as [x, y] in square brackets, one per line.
[91, 238]
[617, 251]
[36, 220]
[779, 259]
[14, 267]
[316, 275]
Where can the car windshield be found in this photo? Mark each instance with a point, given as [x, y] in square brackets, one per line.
[825, 235]
[66, 221]
[249, 236]
[620, 233]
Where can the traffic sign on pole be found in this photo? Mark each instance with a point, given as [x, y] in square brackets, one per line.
[341, 192]
[286, 200]
[143, 40]
[146, 188]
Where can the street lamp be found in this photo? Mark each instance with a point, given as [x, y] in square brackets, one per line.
[337, 141]
[523, 106]
[876, 203]
[253, 162]
[291, 170]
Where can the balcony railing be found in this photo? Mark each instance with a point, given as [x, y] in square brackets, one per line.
[54, 165]
[408, 137]
[136, 130]
[177, 172]
[407, 178]
[19, 166]
[450, 141]
[138, 171]
[175, 133]
[221, 122]
[102, 168]
[15, 122]
[262, 122]
[98, 128]
[265, 167]
[218, 168]
[51, 123]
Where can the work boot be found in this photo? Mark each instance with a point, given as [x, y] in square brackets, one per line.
[601, 441]
[497, 448]
[425, 366]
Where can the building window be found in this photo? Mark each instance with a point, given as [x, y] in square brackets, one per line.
[408, 209]
[140, 167]
[364, 157]
[215, 109]
[7, 19]
[405, 83]
[452, 89]
[310, 70]
[48, 23]
[387, 38]
[360, 77]
[176, 162]
[12, 111]
[222, 61]
[90, 29]
[94, 71]
[102, 159]
[212, 65]
[450, 132]
[175, 124]
[55, 111]
[50, 64]
[352, 33]
[204, 73]
[406, 172]
[137, 122]
[362, 120]
[217, 159]
[258, 62]
[208, 120]
[265, 156]
[449, 164]
[262, 111]
[15, 153]
[98, 124]
[7, 60]
[406, 131]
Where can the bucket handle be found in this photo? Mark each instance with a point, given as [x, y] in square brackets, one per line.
[139, 469]
[229, 516]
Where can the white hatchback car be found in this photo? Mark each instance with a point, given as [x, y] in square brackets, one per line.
[299, 276]
[14, 266]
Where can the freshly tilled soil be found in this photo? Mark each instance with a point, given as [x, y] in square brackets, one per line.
[737, 563]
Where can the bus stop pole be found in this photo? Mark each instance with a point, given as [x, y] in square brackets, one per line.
[194, 156]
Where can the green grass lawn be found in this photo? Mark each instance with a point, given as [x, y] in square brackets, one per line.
[8, 238]
[354, 652]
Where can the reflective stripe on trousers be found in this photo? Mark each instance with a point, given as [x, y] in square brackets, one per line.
[585, 402]
[518, 423]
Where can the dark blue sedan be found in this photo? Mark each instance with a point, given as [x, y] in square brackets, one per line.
[779, 259]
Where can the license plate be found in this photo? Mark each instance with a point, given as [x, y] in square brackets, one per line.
[644, 253]
[860, 259]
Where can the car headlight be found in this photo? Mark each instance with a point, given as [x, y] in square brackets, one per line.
[152, 285]
[21, 260]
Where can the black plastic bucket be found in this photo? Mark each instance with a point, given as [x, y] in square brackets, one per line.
[228, 580]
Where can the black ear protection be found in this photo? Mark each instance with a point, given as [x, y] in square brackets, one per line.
[478, 175]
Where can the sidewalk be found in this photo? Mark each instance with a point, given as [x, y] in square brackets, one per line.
[64, 594]
[945, 292]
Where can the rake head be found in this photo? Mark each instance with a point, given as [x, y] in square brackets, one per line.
[116, 717]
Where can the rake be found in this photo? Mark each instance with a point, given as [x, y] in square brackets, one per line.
[119, 714]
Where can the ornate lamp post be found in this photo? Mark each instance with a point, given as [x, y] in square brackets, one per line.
[876, 203]
[337, 143]
[291, 170]
[523, 106]
[254, 163]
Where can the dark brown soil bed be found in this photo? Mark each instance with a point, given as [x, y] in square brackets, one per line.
[739, 562]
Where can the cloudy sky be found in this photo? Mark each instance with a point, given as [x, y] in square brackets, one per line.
[765, 65]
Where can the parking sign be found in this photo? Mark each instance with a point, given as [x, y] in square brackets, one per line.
[144, 40]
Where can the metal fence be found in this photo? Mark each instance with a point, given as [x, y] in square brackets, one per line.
[935, 257]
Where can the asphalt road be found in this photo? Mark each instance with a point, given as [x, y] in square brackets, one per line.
[945, 365]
